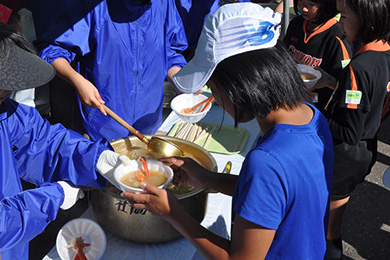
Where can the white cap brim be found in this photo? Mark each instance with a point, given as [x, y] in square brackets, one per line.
[192, 77]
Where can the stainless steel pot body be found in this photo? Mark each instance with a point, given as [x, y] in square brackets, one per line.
[116, 215]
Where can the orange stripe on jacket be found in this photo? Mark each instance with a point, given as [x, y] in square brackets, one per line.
[353, 87]
[344, 49]
[323, 28]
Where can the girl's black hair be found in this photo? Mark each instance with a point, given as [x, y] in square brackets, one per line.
[374, 18]
[327, 10]
[260, 81]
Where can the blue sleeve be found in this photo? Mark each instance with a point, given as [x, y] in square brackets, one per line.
[176, 37]
[46, 153]
[25, 215]
[260, 195]
[52, 52]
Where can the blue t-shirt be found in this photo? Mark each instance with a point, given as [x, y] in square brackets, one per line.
[284, 185]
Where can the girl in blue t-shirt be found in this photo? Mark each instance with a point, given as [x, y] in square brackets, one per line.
[281, 195]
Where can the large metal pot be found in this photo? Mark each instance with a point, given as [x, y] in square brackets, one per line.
[116, 215]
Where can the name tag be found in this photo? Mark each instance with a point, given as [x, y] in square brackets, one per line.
[353, 97]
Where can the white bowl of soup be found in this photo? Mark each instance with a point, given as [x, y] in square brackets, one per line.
[130, 176]
[185, 101]
[309, 75]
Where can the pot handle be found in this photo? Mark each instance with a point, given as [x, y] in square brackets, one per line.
[228, 168]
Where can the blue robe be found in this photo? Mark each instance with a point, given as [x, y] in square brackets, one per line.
[125, 50]
[33, 150]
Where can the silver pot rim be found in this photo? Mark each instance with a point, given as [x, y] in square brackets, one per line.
[171, 139]
[180, 197]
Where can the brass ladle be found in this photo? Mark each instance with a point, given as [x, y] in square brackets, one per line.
[156, 147]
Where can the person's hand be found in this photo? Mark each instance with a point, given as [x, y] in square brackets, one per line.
[71, 194]
[187, 171]
[89, 94]
[326, 80]
[107, 162]
[159, 202]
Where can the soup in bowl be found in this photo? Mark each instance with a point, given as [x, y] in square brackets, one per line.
[129, 176]
[309, 75]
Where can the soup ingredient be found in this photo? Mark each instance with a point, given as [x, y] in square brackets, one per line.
[79, 245]
[207, 104]
[307, 76]
[191, 109]
[139, 175]
[145, 165]
[131, 179]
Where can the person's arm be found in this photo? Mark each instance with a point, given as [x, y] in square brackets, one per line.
[249, 241]
[254, 227]
[48, 153]
[326, 80]
[88, 93]
[171, 72]
[189, 172]
[348, 119]
[72, 37]
[26, 215]
[347, 124]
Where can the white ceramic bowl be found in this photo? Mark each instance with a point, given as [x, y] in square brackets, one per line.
[183, 101]
[136, 165]
[89, 230]
[309, 83]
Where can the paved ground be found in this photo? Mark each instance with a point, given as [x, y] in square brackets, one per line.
[366, 227]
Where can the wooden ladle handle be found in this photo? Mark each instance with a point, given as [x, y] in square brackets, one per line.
[126, 125]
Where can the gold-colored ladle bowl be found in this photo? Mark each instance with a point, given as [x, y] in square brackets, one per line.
[157, 147]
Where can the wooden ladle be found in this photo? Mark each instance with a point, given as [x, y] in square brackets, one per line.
[157, 147]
